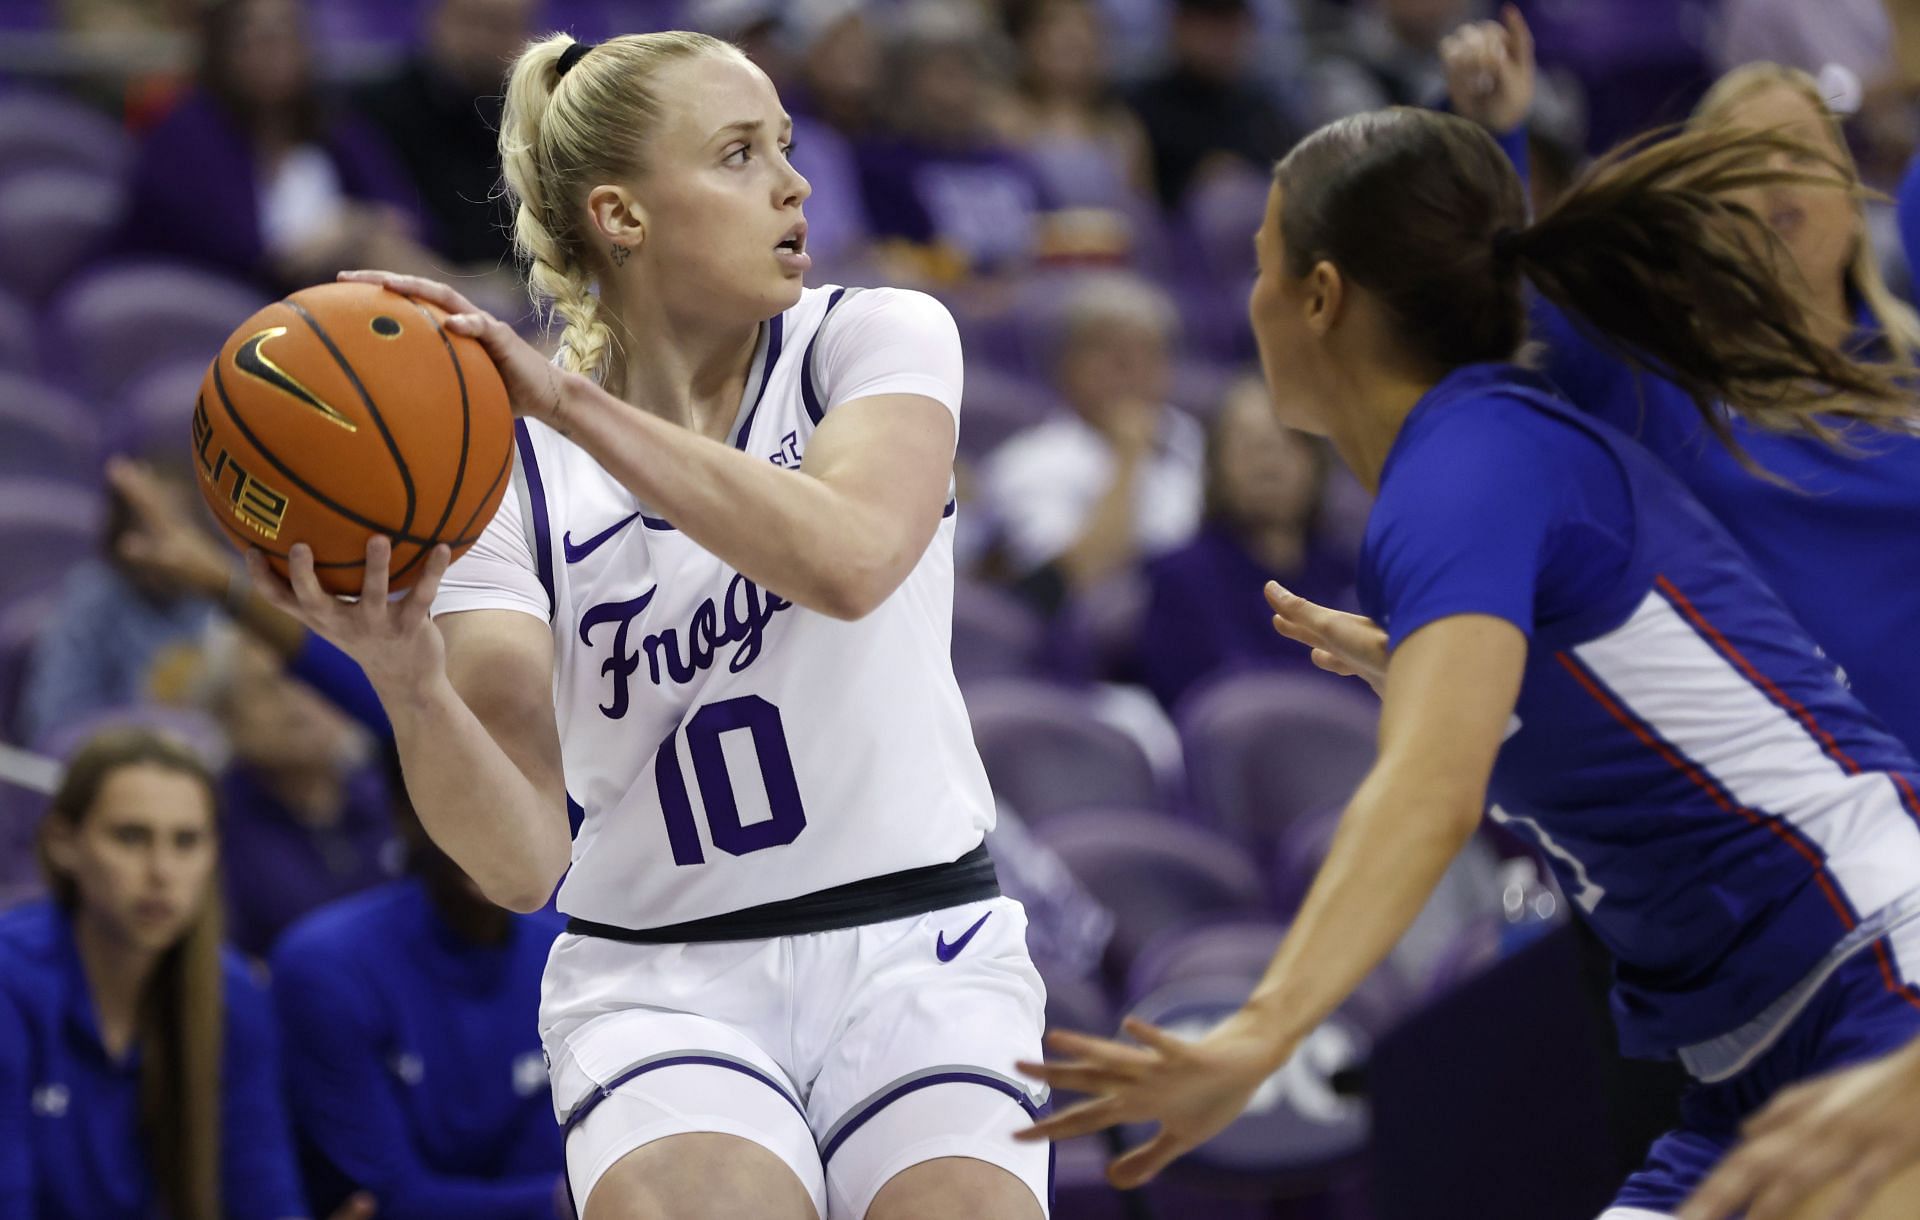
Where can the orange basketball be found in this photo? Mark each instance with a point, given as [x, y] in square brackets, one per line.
[347, 411]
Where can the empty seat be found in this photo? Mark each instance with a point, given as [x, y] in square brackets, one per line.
[1265, 748]
[1047, 753]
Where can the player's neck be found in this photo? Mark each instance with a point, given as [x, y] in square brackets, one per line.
[1371, 403]
[686, 372]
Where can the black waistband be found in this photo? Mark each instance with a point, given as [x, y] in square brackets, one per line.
[875, 900]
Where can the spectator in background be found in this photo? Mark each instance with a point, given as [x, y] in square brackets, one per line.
[836, 61]
[942, 182]
[138, 1073]
[116, 625]
[306, 822]
[1383, 53]
[1086, 495]
[1088, 148]
[1205, 111]
[251, 174]
[440, 111]
[414, 1068]
[1205, 612]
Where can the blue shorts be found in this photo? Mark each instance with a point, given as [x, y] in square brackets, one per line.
[1868, 1007]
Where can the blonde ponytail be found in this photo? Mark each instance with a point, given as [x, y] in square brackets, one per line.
[559, 138]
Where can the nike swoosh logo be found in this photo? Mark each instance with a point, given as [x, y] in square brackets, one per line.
[947, 952]
[575, 553]
[253, 360]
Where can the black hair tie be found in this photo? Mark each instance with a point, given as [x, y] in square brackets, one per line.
[573, 55]
[1506, 245]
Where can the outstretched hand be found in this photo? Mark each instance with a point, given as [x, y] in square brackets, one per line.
[1490, 70]
[1850, 1133]
[533, 382]
[1192, 1089]
[394, 641]
[1350, 645]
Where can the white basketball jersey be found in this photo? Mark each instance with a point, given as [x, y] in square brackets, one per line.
[723, 747]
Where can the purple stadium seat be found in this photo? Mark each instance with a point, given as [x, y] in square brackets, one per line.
[45, 433]
[1264, 748]
[156, 411]
[47, 131]
[19, 344]
[45, 528]
[195, 729]
[1153, 873]
[1080, 1004]
[155, 312]
[1046, 754]
[995, 634]
[1243, 948]
[998, 404]
[52, 221]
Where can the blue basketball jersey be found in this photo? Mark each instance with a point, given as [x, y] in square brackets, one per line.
[1727, 816]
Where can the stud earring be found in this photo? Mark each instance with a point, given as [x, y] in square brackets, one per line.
[620, 254]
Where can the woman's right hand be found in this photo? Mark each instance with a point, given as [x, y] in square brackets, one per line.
[1351, 645]
[393, 641]
[1490, 71]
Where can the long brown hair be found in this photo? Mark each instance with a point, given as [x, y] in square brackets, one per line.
[182, 1014]
[1897, 320]
[1645, 252]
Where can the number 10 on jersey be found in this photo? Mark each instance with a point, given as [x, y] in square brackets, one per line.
[761, 721]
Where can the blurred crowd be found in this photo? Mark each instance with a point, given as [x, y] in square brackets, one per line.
[1078, 179]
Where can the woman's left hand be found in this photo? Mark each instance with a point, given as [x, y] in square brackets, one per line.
[1193, 1089]
[534, 383]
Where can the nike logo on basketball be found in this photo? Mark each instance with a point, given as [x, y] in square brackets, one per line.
[253, 360]
[947, 952]
[578, 551]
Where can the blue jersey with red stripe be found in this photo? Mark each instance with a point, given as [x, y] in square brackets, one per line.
[1709, 794]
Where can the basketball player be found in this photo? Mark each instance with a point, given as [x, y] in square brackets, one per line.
[712, 619]
[1568, 634]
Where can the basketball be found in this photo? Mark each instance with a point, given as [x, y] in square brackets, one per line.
[346, 411]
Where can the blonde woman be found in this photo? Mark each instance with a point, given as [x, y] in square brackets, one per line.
[713, 617]
[137, 1066]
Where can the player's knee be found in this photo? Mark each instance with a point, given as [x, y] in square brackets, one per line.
[699, 1176]
[955, 1188]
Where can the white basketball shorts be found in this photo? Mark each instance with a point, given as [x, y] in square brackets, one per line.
[850, 1054]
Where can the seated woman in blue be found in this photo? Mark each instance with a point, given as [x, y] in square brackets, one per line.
[1834, 529]
[137, 1067]
[1570, 636]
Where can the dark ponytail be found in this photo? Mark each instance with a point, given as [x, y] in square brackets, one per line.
[1646, 252]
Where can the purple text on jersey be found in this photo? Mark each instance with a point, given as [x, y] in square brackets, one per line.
[742, 620]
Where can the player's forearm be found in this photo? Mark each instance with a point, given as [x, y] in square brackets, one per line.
[787, 532]
[1389, 854]
[508, 833]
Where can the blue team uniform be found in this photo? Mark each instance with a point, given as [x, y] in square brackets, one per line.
[1838, 539]
[70, 1142]
[1740, 832]
[413, 1059]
